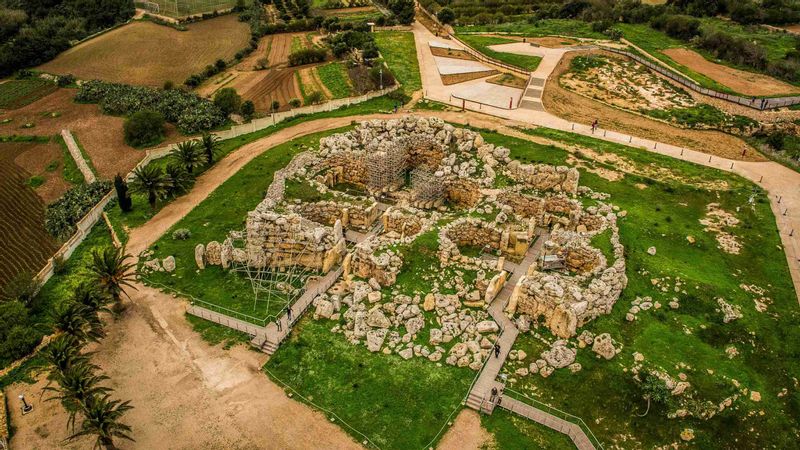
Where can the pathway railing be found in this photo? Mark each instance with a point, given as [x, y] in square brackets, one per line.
[555, 412]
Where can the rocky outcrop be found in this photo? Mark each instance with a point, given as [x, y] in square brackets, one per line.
[545, 177]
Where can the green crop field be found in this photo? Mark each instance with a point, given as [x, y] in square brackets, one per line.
[18, 93]
[334, 77]
[400, 52]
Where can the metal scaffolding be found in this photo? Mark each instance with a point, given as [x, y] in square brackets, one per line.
[386, 168]
[425, 185]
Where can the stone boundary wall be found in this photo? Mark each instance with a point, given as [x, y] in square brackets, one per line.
[75, 151]
[545, 177]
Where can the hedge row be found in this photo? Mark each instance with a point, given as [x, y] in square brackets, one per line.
[190, 113]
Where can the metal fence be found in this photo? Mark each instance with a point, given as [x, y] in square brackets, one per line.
[750, 102]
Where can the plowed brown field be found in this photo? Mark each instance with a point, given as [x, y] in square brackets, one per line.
[26, 245]
[149, 54]
[100, 135]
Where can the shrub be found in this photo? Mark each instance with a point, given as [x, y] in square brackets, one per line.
[228, 100]
[65, 80]
[379, 73]
[123, 197]
[62, 215]
[144, 128]
[446, 15]
[678, 26]
[776, 140]
[307, 56]
[220, 64]
[314, 98]
[20, 341]
[294, 103]
[168, 85]
[189, 112]
[181, 234]
[248, 109]
[275, 105]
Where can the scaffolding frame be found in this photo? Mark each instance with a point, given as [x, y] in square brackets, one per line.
[425, 185]
[275, 281]
[386, 168]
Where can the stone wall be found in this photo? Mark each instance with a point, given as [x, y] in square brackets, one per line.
[544, 177]
[369, 263]
[360, 217]
[564, 302]
[402, 223]
[474, 232]
[279, 240]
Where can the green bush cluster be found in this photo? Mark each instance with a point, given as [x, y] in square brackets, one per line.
[190, 113]
[144, 128]
[307, 56]
[62, 215]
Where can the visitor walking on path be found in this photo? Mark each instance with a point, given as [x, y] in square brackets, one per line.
[493, 396]
[594, 125]
[496, 350]
[289, 315]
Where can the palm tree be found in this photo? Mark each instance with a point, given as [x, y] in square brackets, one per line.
[63, 352]
[188, 155]
[89, 295]
[102, 419]
[75, 386]
[179, 179]
[150, 180]
[210, 146]
[78, 321]
[112, 273]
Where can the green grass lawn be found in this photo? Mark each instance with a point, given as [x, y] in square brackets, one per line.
[662, 215]
[210, 222]
[546, 27]
[400, 52]
[482, 43]
[334, 77]
[18, 93]
[396, 403]
[777, 44]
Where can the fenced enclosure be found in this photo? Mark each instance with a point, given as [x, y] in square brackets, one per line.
[184, 8]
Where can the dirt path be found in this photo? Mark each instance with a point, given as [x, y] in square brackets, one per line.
[577, 108]
[466, 433]
[747, 83]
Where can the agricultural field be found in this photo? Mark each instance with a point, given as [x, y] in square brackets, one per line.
[153, 54]
[18, 93]
[100, 134]
[334, 77]
[26, 245]
[276, 81]
[703, 69]
[400, 52]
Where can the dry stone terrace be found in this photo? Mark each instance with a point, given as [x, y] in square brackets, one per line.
[438, 242]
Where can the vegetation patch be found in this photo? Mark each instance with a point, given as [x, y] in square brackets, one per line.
[400, 53]
[334, 77]
[18, 93]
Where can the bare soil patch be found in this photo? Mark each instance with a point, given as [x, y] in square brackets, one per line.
[101, 135]
[451, 53]
[577, 108]
[747, 83]
[26, 245]
[507, 79]
[262, 52]
[624, 83]
[311, 81]
[148, 54]
[462, 77]
[466, 433]
[184, 392]
[36, 159]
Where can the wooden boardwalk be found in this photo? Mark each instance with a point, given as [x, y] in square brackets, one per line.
[575, 432]
[479, 397]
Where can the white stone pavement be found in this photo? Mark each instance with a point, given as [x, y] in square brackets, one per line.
[782, 183]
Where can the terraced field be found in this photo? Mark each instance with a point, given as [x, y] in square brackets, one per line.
[18, 93]
[26, 245]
